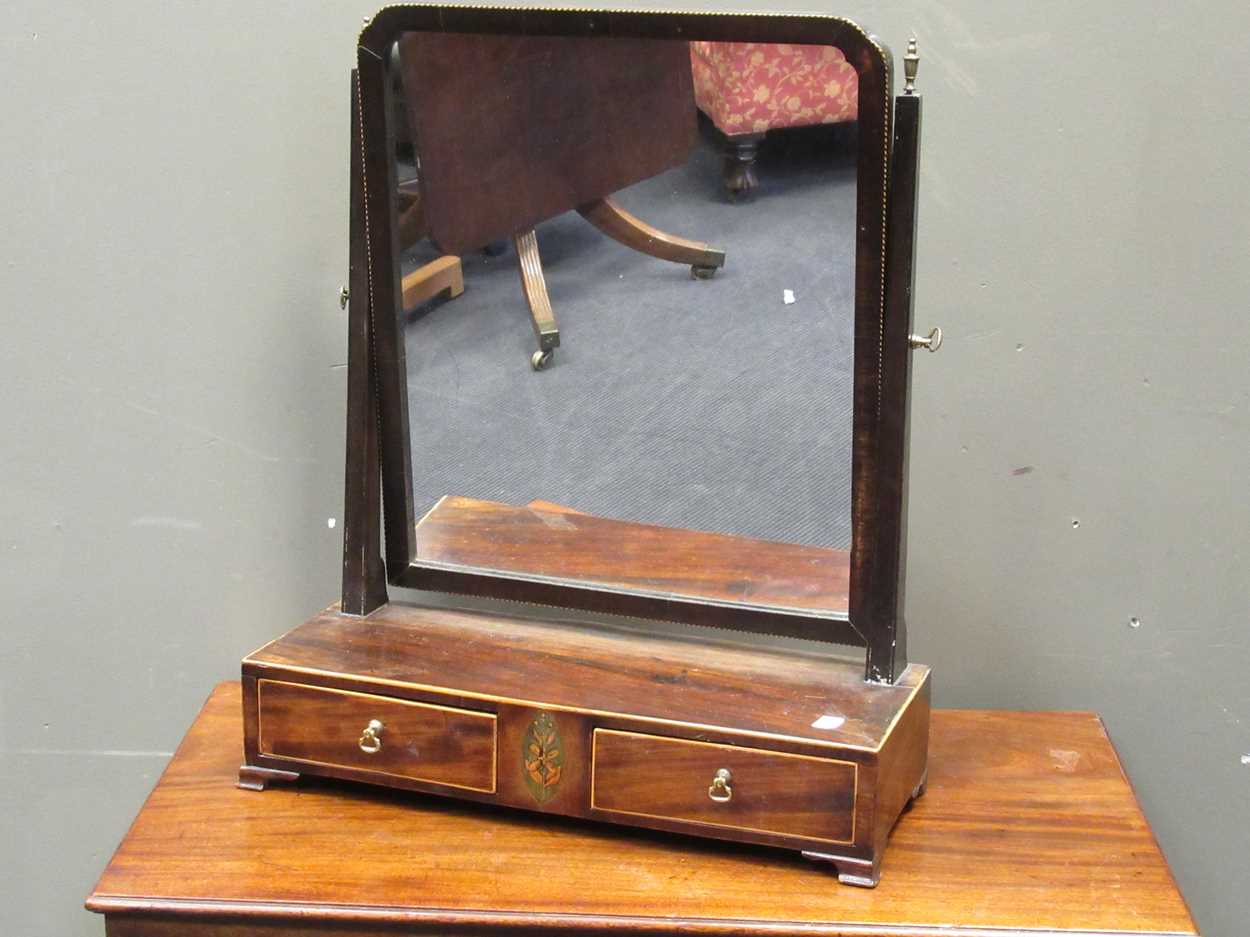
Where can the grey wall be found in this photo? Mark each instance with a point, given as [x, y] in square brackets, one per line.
[174, 233]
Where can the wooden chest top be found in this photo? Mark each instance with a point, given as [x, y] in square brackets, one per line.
[553, 664]
[1029, 826]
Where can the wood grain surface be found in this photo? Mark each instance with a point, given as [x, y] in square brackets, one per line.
[772, 792]
[438, 744]
[1029, 827]
[466, 533]
[671, 714]
[427, 653]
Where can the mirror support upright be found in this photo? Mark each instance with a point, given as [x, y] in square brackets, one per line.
[380, 225]
[364, 575]
[887, 641]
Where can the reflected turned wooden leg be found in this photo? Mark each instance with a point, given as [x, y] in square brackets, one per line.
[738, 164]
[620, 225]
[426, 282]
[535, 286]
[412, 226]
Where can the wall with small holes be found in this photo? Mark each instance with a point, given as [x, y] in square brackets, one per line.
[175, 198]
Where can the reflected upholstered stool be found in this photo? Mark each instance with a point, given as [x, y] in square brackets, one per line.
[749, 88]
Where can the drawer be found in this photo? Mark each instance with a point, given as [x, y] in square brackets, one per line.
[418, 741]
[765, 792]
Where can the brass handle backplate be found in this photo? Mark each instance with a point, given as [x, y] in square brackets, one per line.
[370, 741]
[720, 791]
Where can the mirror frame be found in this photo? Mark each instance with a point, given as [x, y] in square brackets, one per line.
[882, 324]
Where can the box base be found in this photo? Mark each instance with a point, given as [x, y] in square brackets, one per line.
[790, 749]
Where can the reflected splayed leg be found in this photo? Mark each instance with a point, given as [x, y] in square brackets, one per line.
[618, 224]
[535, 287]
[443, 275]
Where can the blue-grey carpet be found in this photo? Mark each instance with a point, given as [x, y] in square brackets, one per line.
[705, 404]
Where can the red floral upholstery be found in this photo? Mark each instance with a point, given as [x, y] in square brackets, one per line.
[751, 87]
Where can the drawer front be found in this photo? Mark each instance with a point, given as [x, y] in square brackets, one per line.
[418, 741]
[760, 791]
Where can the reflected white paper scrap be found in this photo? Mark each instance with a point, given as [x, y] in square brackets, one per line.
[787, 296]
[829, 722]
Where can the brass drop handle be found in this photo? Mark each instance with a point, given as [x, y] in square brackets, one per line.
[932, 341]
[370, 742]
[720, 791]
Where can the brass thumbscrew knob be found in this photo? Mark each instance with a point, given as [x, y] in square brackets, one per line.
[932, 341]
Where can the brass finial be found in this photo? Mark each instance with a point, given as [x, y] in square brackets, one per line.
[911, 63]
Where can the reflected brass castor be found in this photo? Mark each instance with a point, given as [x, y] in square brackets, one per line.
[702, 273]
[540, 359]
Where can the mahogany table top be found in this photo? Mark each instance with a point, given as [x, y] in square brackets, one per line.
[1029, 825]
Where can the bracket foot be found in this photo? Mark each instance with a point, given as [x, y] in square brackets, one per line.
[254, 778]
[850, 871]
[920, 788]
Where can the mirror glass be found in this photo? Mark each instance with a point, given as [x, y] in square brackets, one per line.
[628, 270]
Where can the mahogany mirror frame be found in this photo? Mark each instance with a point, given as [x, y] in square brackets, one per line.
[883, 270]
